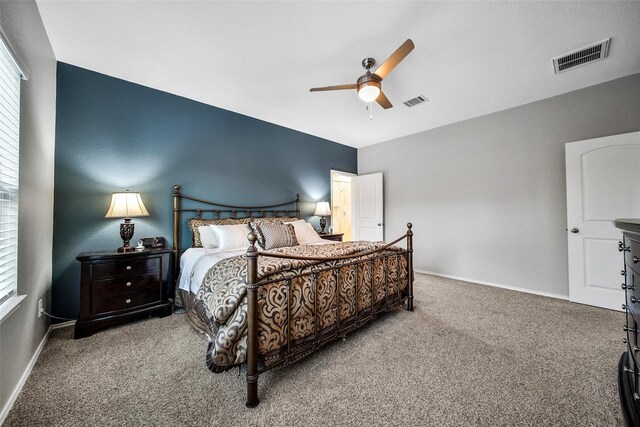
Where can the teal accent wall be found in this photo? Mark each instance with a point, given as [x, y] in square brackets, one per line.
[113, 135]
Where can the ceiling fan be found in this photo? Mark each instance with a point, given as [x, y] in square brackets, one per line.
[369, 85]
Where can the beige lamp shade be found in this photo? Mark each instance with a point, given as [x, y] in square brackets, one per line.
[126, 205]
[323, 209]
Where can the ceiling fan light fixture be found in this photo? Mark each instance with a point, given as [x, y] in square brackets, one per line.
[369, 87]
[368, 92]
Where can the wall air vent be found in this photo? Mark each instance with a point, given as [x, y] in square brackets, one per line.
[415, 101]
[583, 56]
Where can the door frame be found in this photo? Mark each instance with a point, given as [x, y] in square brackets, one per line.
[331, 171]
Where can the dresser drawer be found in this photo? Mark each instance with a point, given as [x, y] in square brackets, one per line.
[116, 302]
[126, 266]
[632, 362]
[633, 293]
[632, 258]
[633, 307]
[124, 284]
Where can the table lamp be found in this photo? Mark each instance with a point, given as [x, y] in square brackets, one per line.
[126, 205]
[322, 209]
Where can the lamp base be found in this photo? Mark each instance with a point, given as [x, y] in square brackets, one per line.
[126, 233]
[323, 224]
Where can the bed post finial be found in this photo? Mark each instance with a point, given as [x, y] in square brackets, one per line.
[252, 322]
[409, 266]
[176, 236]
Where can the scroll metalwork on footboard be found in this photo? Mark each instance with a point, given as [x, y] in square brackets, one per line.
[395, 284]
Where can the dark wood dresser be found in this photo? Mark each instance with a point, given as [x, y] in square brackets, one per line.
[118, 287]
[628, 367]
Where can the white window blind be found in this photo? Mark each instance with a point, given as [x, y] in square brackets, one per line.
[9, 145]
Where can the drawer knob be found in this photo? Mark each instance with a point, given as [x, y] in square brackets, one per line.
[631, 371]
[636, 397]
[623, 273]
[624, 306]
[623, 248]
[128, 267]
[635, 259]
[128, 301]
[624, 340]
[627, 329]
[129, 283]
[634, 300]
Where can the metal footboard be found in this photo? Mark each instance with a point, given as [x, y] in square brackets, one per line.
[362, 316]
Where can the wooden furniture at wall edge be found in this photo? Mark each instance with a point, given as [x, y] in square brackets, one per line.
[629, 366]
[337, 237]
[117, 287]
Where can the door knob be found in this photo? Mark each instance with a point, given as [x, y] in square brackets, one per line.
[575, 230]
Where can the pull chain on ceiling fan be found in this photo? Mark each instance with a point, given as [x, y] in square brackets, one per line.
[369, 85]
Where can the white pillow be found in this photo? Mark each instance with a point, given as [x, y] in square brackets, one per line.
[232, 237]
[305, 232]
[208, 237]
[296, 224]
[297, 228]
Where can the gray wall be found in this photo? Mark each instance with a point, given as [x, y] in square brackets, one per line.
[487, 195]
[21, 333]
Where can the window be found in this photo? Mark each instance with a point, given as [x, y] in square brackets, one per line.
[10, 75]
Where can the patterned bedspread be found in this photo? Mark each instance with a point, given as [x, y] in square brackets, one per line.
[223, 297]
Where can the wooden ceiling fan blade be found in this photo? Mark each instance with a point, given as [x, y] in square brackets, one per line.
[337, 87]
[395, 58]
[383, 101]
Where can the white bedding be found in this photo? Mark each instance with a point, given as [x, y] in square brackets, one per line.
[195, 262]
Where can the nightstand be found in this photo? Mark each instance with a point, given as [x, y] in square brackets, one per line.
[337, 237]
[119, 287]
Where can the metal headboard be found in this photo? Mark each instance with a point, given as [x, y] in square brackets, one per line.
[219, 211]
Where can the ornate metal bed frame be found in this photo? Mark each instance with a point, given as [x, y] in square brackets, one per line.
[296, 352]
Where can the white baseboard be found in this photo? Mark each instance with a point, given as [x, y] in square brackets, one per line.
[496, 285]
[63, 324]
[23, 378]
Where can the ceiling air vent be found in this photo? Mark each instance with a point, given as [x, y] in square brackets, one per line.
[583, 56]
[415, 101]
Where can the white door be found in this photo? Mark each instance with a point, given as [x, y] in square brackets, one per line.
[367, 207]
[603, 183]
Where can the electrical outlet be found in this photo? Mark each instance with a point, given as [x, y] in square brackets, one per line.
[40, 309]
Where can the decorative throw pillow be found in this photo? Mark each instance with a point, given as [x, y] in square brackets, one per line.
[271, 236]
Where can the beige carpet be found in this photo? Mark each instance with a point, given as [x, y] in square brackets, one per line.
[469, 355]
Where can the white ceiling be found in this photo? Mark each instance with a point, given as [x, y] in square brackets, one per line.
[261, 58]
